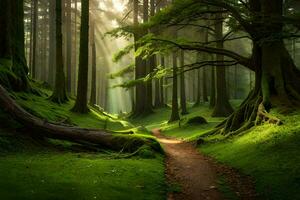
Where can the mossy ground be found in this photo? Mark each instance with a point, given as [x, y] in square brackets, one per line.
[36, 168]
[45, 109]
[268, 153]
[50, 174]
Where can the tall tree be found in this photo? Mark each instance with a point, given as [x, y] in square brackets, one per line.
[222, 106]
[59, 94]
[182, 86]
[34, 38]
[212, 99]
[69, 44]
[12, 51]
[148, 64]
[141, 100]
[175, 110]
[162, 82]
[52, 42]
[204, 85]
[93, 48]
[81, 99]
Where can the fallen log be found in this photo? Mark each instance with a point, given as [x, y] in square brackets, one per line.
[103, 138]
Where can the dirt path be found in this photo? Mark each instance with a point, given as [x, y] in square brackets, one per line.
[196, 174]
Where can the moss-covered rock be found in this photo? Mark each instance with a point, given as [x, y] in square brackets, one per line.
[198, 120]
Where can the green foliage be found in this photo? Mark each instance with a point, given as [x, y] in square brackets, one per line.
[126, 50]
[158, 73]
[126, 70]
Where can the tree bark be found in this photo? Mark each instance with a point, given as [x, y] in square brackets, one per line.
[204, 85]
[277, 78]
[182, 87]
[212, 99]
[222, 106]
[141, 97]
[94, 70]
[69, 45]
[175, 111]
[34, 39]
[59, 94]
[52, 43]
[81, 99]
[12, 50]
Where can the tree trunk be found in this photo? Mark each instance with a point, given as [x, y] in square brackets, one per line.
[101, 138]
[141, 97]
[34, 39]
[75, 49]
[149, 64]
[52, 43]
[212, 99]
[12, 51]
[81, 99]
[162, 90]
[222, 106]
[59, 94]
[175, 111]
[157, 102]
[69, 45]
[94, 72]
[277, 78]
[198, 88]
[182, 86]
[204, 85]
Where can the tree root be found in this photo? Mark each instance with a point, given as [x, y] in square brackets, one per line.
[251, 113]
[264, 116]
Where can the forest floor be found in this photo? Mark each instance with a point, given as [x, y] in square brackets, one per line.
[35, 168]
[198, 176]
[269, 154]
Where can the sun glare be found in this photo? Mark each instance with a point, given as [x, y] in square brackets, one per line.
[119, 5]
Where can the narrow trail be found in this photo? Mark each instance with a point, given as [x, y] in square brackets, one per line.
[197, 174]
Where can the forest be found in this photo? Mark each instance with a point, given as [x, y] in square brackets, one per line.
[149, 99]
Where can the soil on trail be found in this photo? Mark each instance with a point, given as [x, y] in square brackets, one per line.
[196, 174]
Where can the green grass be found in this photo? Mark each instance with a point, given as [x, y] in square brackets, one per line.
[160, 117]
[225, 189]
[62, 175]
[32, 169]
[35, 168]
[269, 153]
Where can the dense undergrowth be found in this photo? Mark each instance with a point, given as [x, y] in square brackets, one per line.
[268, 153]
[39, 168]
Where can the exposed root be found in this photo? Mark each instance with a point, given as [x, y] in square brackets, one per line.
[264, 116]
[252, 112]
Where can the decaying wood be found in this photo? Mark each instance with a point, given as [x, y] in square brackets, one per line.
[41, 127]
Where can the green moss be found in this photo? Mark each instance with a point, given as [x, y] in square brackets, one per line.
[225, 189]
[269, 153]
[159, 119]
[62, 175]
[40, 106]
